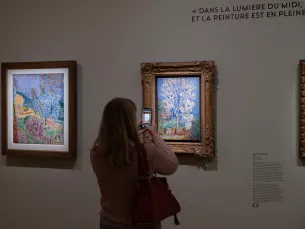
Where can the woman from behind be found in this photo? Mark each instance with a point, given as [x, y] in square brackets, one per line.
[114, 162]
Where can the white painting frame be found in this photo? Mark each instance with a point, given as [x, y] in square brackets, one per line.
[20, 146]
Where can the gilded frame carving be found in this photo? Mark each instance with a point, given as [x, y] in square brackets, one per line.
[204, 69]
[302, 110]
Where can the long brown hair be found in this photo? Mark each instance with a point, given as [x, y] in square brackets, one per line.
[118, 132]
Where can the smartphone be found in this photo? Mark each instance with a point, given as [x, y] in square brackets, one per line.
[146, 117]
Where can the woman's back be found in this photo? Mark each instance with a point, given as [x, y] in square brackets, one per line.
[117, 185]
[114, 161]
[116, 188]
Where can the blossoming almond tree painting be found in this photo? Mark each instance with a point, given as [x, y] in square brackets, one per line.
[38, 108]
[178, 108]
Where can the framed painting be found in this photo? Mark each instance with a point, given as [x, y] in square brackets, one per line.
[181, 96]
[302, 110]
[39, 109]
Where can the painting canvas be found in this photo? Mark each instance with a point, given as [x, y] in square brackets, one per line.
[178, 108]
[181, 96]
[38, 108]
[38, 99]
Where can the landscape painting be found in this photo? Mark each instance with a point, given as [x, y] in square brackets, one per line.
[38, 108]
[178, 108]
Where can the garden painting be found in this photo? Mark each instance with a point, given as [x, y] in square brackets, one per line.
[38, 109]
[178, 108]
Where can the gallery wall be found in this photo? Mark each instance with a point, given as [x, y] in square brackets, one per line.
[257, 103]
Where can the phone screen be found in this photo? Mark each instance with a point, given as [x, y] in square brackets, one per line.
[146, 117]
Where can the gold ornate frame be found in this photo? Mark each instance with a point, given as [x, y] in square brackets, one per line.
[206, 69]
[302, 110]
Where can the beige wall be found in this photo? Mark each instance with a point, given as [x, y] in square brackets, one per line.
[256, 106]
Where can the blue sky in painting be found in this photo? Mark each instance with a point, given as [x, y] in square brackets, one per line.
[194, 80]
[25, 82]
[48, 95]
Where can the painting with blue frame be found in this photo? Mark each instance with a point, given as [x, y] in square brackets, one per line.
[178, 107]
[38, 103]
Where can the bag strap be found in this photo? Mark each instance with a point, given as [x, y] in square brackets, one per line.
[176, 221]
[143, 165]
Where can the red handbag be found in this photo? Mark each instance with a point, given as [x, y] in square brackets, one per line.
[154, 200]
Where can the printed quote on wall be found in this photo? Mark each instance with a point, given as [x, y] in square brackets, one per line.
[249, 11]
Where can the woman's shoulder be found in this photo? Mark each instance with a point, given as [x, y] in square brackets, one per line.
[93, 154]
[96, 157]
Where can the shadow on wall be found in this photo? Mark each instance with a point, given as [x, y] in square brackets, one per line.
[41, 163]
[207, 164]
[57, 163]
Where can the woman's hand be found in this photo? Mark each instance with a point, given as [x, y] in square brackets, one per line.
[140, 130]
[152, 129]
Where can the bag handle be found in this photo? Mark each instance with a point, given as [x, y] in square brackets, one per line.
[143, 165]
